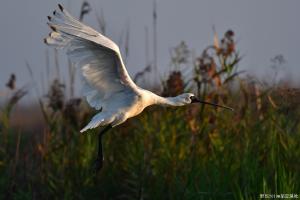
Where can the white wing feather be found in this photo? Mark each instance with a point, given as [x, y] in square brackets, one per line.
[99, 58]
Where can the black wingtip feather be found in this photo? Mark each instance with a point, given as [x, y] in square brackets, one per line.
[60, 7]
[53, 28]
[45, 40]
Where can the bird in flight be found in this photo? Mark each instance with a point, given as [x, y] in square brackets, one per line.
[107, 85]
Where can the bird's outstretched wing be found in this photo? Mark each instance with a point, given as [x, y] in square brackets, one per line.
[99, 58]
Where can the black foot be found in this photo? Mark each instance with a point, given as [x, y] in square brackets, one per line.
[98, 164]
[99, 161]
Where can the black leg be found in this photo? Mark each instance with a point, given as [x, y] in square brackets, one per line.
[99, 161]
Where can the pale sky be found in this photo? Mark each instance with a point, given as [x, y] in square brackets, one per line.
[264, 28]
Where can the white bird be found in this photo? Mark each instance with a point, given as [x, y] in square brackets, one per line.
[107, 85]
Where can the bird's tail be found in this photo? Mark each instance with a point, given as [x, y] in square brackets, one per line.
[64, 27]
[100, 119]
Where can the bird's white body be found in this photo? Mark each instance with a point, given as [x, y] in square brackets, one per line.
[132, 104]
[106, 83]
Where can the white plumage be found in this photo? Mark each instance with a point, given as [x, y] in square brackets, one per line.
[107, 85]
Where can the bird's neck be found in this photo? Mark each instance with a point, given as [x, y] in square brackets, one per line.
[167, 101]
[151, 99]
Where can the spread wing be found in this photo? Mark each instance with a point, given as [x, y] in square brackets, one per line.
[99, 58]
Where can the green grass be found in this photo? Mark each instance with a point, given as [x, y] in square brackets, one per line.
[157, 156]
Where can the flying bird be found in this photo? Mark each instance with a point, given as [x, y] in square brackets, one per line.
[107, 85]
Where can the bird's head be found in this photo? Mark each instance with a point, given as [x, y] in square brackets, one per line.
[186, 98]
[189, 98]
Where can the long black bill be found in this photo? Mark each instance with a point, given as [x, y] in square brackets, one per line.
[195, 100]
